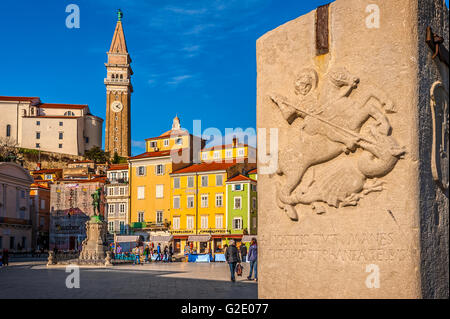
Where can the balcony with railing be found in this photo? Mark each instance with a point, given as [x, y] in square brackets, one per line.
[117, 81]
[117, 181]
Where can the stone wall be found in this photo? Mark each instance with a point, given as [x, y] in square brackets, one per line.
[434, 208]
[353, 209]
[48, 160]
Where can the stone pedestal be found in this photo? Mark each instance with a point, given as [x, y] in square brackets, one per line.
[357, 203]
[94, 247]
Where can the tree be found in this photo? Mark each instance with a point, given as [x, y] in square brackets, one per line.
[8, 150]
[118, 159]
[97, 155]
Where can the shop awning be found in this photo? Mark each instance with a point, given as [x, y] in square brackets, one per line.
[161, 238]
[126, 239]
[199, 238]
[248, 238]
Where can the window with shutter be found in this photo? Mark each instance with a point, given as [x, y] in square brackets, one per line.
[219, 180]
[191, 181]
[204, 181]
[176, 202]
[159, 191]
[176, 223]
[190, 202]
[204, 201]
[141, 192]
[219, 221]
[219, 200]
[204, 222]
[189, 222]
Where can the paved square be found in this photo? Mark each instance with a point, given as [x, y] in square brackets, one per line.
[155, 280]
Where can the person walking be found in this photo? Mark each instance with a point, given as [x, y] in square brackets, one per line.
[5, 257]
[232, 257]
[147, 253]
[137, 256]
[170, 252]
[243, 251]
[253, 258]
[158, 251]
[166, 254]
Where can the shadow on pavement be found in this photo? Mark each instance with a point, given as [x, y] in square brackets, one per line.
[24, 282]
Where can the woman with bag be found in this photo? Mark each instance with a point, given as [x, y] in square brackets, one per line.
[232, 257]
[253, 258]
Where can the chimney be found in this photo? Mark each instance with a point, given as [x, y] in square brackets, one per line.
[38, 166]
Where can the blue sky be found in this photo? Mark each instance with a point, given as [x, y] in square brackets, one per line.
[191, 58]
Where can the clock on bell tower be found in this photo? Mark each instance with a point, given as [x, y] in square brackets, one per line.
[118, 94]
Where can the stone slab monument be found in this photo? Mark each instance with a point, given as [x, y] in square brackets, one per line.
[94, 247]
[353, 97]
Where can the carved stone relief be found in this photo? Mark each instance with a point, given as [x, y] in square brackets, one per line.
[439, 154]
[342, 125]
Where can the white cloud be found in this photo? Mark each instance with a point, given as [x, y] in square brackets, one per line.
[138, 144]
[191, 48]
[199, 28]
[186, 11]
[178, 79]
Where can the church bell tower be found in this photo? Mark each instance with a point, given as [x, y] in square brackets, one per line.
[118, 94]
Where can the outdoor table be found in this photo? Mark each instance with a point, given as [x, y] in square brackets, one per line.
[219, 257]
[199, 258]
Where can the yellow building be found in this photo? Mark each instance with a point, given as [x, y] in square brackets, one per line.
[150, 180]
[229, 152]
[46, 176]
[198, 205]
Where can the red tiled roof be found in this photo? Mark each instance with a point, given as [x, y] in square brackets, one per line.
[116, 167]
[253, 171]
[240, 178]
[101, 179]
[205, 167]
[19, 98]
[62, 106]
[40, 186]
[47, 171]
[151, 154]
[53, 117]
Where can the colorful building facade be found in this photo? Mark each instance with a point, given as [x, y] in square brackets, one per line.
[150, 182]
[15, 212]
[40, 208]
[241, 205]
[117, 199]
[229, 152]
[199, 205]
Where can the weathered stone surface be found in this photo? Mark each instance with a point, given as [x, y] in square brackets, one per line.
[355, 193]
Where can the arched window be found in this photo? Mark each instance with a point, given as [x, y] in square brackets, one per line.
[121, 76]
[8, 130]
[69, 113]
[112, 76]
[32, 111]
[24, 112]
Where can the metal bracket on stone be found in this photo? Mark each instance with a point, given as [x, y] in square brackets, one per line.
[435, 42]
[322, 44]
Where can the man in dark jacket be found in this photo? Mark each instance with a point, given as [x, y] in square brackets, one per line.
[5, 257]
[232, 257]
[243, 250]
